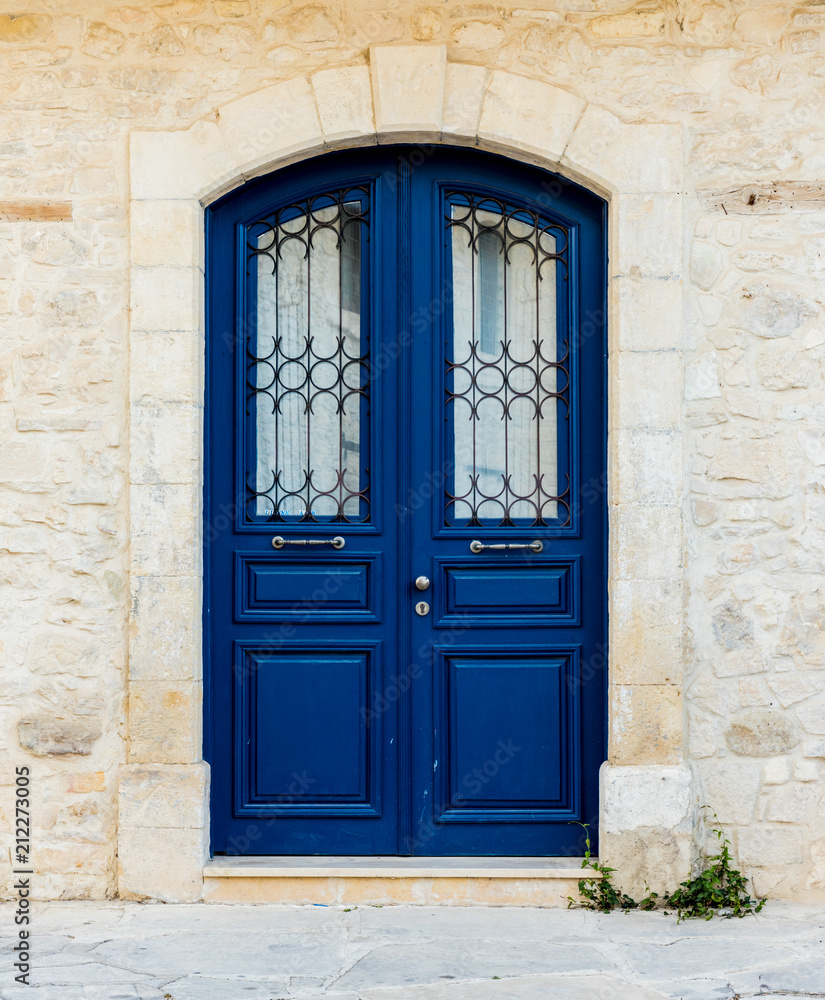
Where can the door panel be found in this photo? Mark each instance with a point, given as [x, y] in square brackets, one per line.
[293, 705]
[500, 593]
[279, 588]
[400, 385]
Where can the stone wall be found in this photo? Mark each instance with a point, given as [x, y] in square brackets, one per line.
[746, 81]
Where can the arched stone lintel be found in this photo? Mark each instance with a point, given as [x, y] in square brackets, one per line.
[407, 93]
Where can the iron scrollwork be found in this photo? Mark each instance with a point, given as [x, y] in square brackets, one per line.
[293, 373]
[530, 377]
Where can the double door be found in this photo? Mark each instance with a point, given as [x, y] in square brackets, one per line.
[404, 508]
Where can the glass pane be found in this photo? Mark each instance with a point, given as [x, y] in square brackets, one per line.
[505, 380]
[308, 382]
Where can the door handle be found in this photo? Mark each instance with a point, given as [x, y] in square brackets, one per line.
[535, 546]
[278, 542]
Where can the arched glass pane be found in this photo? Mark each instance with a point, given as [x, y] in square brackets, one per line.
[308, 387]
[505, 384]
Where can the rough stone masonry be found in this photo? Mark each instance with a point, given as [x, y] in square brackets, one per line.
[745, 81]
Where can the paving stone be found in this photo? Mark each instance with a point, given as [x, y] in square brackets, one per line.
[83, 973]
[682, 959]
[397, 965]
[530, 988]
[806, 977]
[85, 951]
[699, 989]
[207, 988]
[225, 954]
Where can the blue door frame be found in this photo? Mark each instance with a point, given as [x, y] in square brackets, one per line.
[337, 719]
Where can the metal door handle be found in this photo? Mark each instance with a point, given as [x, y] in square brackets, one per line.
[535, 546]
[278, 542]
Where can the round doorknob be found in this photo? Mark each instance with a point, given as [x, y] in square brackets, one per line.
[422, 582]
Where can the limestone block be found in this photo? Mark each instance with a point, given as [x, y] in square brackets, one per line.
[626, 158]
[812, 715]
[777, 771]
[166, 367]
[48, 736]
[166, 233]
[164, 722]
[270, 125]
[645, 825]
[753, 469]
[344, 99]
[532, 116]
[781, 366]
[732, 628]
[165, 443]
[763, 25]
[463, 95]
[166, 298]
[702, 377]
[646, 313]
[408, 87]
[646, 724]
[768, 309]
[164, 797]
[646, 623]
[649, 389]
[646, 542]
[648, 466]
[769, 848]
[761, 732]
[789, 803]
[161, 864]
[706, 265]
[730, 789]
[646, 238]
[165, 530]
[24, 27]
[195, 163]
[165, 631]
[644, 796]
[805, 770]
[478, 35]
[644, 21]
[76, 857]
[26, 467]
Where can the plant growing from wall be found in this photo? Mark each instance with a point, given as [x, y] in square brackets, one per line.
[597, 892]
[718, 888]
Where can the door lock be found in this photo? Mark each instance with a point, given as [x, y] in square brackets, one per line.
[422, 608]
[422, 583]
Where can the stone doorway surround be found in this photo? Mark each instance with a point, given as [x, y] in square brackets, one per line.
[407, 93]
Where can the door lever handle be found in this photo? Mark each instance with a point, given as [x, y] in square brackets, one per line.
[535, 546]
[278, 542]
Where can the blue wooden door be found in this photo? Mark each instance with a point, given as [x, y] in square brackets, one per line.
[405, 561]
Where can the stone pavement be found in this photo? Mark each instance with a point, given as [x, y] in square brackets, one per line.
[117, 951]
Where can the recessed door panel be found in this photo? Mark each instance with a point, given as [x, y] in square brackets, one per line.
[501, 591]
[308, 746]
[283, 588]
[505, 721]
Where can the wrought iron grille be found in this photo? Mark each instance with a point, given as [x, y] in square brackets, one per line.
[307, 374]
[505, 381]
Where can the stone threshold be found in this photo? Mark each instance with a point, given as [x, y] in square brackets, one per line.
[382, 881]
[312, 866]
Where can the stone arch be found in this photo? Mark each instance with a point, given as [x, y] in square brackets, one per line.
[407, 93]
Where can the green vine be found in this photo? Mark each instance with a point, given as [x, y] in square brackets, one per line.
[599, 893]
[718, 888]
